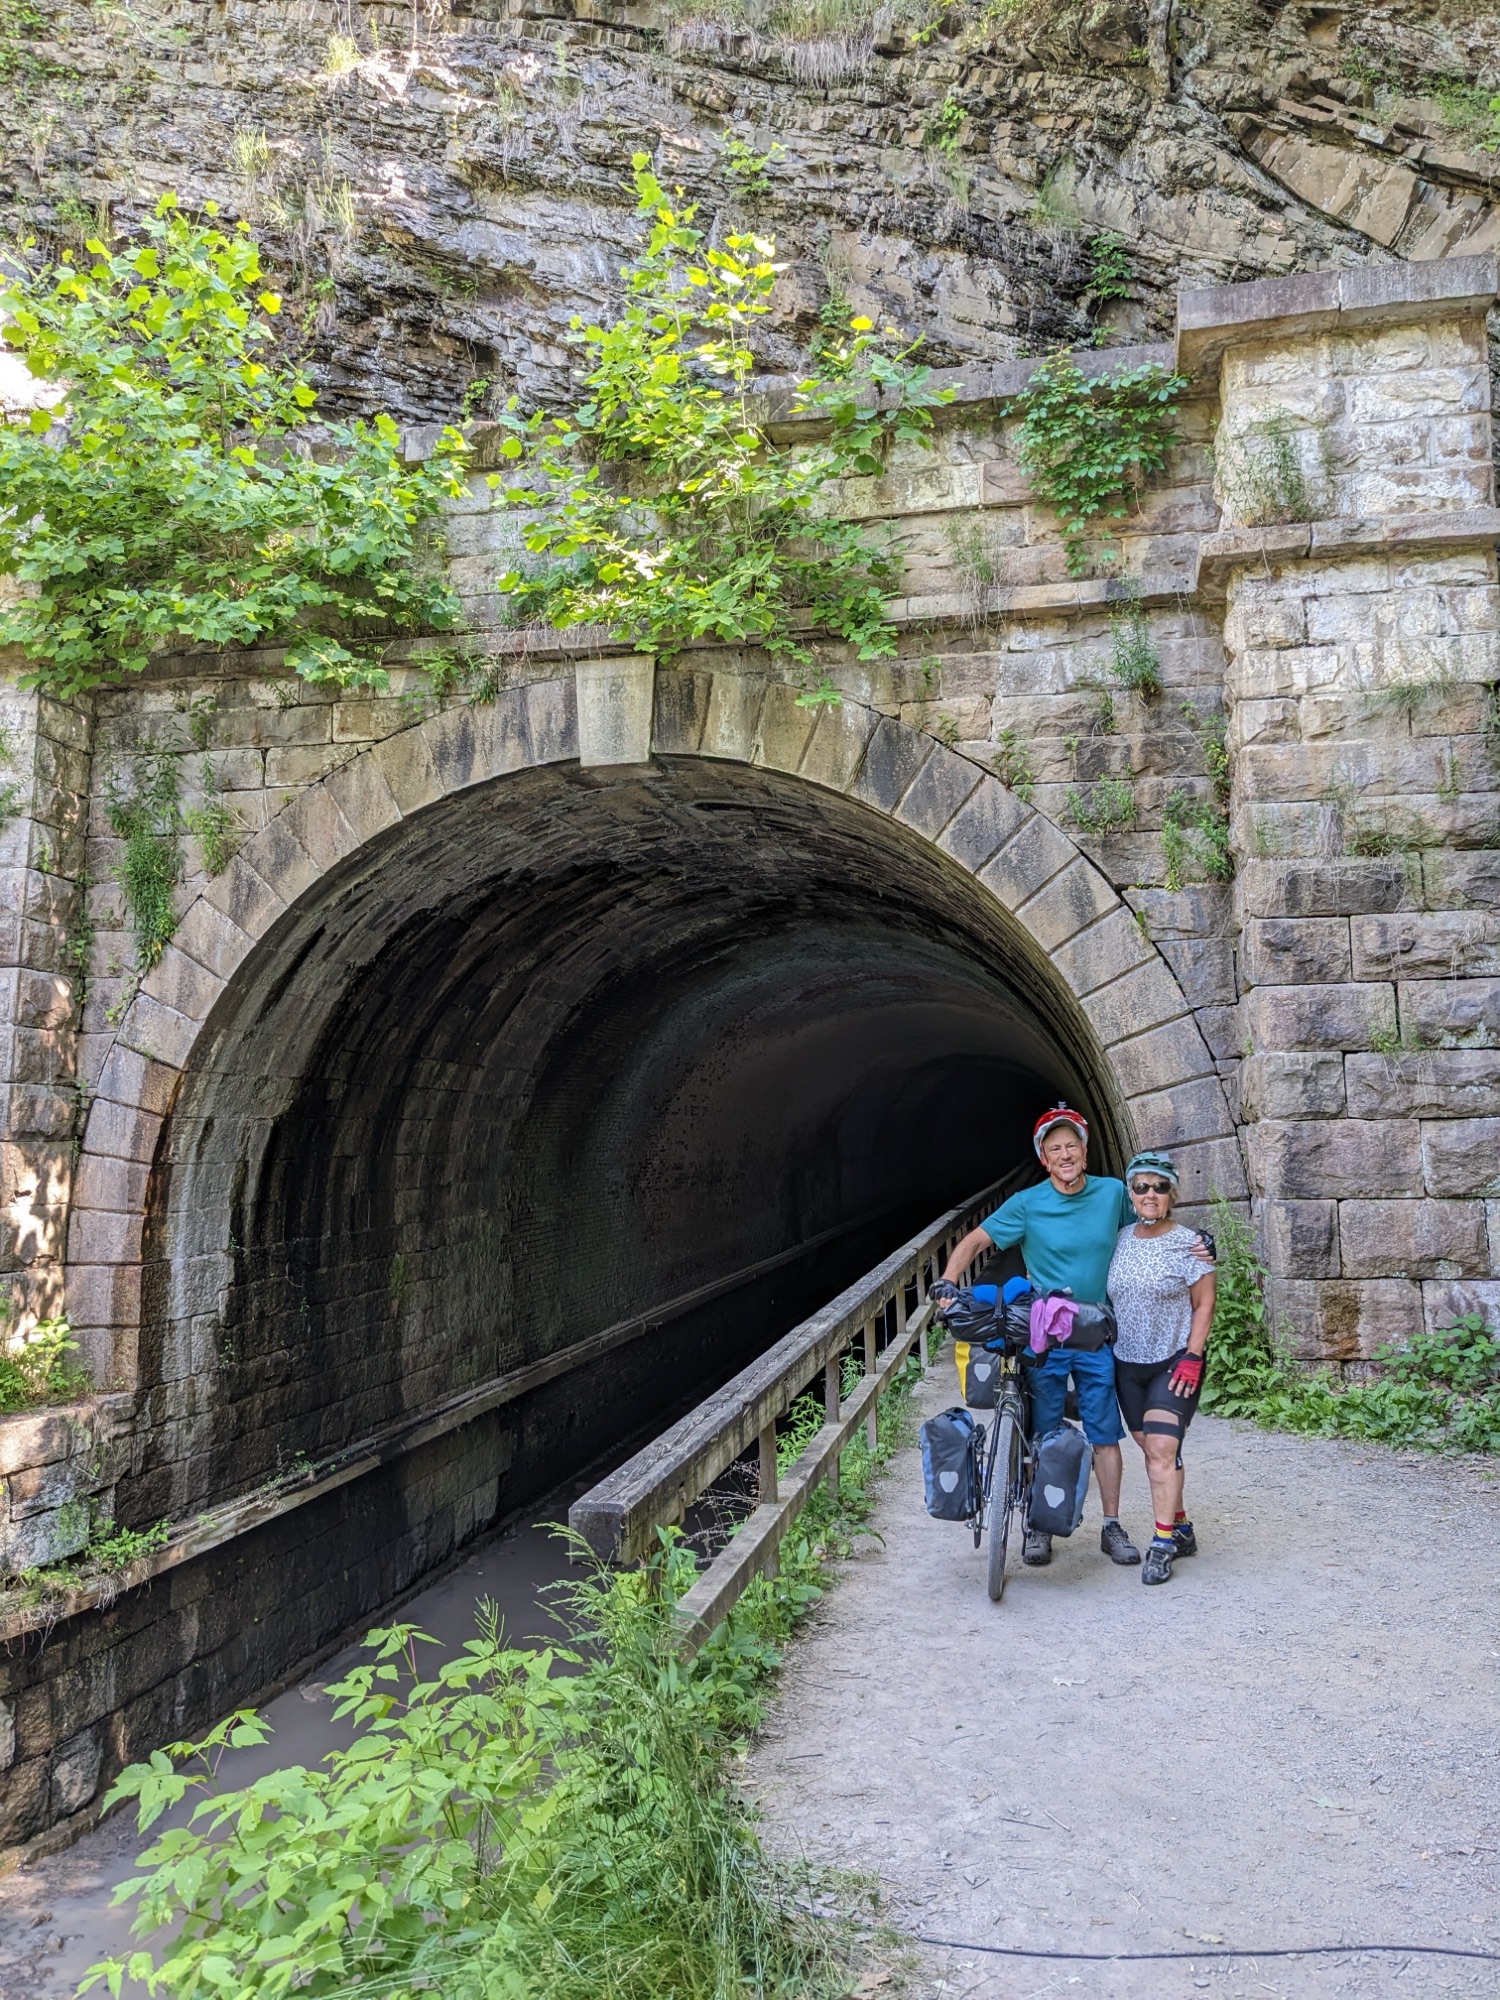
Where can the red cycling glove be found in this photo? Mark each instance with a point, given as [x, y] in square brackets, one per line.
[1187, 1376]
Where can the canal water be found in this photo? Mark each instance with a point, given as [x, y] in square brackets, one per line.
[57, 1918]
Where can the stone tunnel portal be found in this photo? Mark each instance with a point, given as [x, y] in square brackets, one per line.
[553, 1051]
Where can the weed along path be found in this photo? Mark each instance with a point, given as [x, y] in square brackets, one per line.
[1296, 1741]
[56, 1917]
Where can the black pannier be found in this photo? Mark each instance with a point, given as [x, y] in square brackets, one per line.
[950, 1465]
[1064, 1459]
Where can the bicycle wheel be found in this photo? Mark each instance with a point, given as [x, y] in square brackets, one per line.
[1004, 1487]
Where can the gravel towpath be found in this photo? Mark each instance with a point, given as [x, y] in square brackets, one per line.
[1296, 1741]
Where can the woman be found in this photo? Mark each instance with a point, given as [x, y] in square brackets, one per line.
[1163, 1296]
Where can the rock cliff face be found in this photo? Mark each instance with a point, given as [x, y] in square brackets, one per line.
[442, 186]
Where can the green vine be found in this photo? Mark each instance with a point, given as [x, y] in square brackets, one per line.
[147, 817]
[662, 511]
[1089, 446]
[168, 498]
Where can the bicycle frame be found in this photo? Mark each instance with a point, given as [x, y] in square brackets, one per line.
[1012, 1397]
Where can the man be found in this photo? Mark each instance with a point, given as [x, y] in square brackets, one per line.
[1067, 1227]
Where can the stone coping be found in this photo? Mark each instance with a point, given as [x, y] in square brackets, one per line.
[1426, 533]
[1210, 322]
[1218, 556]
[950, 607]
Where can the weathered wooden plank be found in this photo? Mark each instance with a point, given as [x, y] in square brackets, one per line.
[619, 1517]
[753, 1550]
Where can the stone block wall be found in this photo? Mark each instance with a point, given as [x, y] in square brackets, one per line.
[1344, 988]
[1363, 656]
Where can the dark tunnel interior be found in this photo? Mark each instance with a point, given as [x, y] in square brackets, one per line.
[555, 1052]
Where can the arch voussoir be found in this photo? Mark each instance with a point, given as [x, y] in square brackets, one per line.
[1068, 902]
[732, 720]
[1161, 1072]
[940, 788]
[1103, 951]
[784, 730]
[988, 818]
[836, 749]
[893, 757]
[1026, 862]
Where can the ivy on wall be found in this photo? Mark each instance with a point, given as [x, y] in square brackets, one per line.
[660, 508]
[1088, 447]
[172, 496]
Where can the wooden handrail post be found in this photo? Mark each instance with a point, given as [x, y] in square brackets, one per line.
[872, 1351]
[768, 1494]
[832, 1396]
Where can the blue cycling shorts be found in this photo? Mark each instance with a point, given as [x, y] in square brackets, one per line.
[1093, 1378]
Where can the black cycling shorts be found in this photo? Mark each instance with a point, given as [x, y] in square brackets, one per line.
[1142, 1386]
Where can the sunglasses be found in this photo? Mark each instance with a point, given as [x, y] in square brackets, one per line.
[1150, 1187]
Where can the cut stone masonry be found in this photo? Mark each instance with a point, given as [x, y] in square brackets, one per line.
[1321, 1035]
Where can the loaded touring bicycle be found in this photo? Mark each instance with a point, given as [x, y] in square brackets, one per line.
[996, 1476]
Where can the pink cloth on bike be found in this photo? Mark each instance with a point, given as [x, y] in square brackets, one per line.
[1051, 1322]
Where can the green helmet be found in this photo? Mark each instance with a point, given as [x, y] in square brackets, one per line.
[1153, 1163]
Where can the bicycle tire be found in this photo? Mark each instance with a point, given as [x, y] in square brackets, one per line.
[1004, 1486]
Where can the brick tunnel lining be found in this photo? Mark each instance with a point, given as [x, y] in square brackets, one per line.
[550, 1052]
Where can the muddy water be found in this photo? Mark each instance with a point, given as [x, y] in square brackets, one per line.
[56, 1918]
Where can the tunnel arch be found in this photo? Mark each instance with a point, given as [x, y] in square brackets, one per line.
[461, 962]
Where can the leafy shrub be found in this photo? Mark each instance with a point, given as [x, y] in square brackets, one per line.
[1012, 765]
[660, 508]
[1441, 1393]
[1089, 446]
[944, 129]
[182, 504]
[216, 827]
[35, 1368]
[502, 1830]
[1110, 270]
[747, 168]
[1195, 840]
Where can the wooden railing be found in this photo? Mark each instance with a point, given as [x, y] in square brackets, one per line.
[886, 1313]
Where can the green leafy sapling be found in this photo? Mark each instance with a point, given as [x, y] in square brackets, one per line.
[661, 510]
[171, 498]
[1110, 269]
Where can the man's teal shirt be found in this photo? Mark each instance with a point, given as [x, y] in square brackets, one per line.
[1067, 1240]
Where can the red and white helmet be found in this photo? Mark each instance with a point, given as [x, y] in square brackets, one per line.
[1060, 1114]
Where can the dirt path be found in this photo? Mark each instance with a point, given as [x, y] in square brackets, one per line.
[1293, 1742]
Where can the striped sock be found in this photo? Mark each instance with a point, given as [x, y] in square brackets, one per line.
[1182, 1525]
[1166, 1533]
